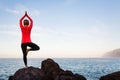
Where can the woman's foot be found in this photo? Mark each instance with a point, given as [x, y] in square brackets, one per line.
[26, 66]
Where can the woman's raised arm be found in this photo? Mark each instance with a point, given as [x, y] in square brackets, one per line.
[31, 21]
[21, 25]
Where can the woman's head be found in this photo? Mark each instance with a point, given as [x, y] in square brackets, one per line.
[26, 22]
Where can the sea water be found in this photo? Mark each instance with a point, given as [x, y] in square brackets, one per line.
[91, 68]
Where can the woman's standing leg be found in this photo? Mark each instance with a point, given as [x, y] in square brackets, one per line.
[32, 46]
[24, 47]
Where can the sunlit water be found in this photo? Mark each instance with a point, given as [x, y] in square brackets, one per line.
[91, 68]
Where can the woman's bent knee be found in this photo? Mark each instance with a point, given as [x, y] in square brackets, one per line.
[38, 48]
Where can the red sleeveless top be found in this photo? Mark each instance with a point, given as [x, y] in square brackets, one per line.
[26, 30]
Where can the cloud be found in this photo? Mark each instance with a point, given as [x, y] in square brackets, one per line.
[20, 9]
[12, 11]
[48, 31]
[13, 33]
[17, 10]
[12, 30]
[97, 28]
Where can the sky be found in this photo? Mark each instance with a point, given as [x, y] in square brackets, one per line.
[62, 28]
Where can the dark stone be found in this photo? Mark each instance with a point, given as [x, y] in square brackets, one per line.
[10, 78]
[80, 77]
[112, 76]
[54, 72]
[29, 73]
[50, 70]
[68, 75]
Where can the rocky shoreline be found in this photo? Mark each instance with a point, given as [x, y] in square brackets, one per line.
[50, 70]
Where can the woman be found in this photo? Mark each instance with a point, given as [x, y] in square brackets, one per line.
[26, 27]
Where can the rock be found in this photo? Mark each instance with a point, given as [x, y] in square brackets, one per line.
[54, 72]
[29, 73]
[50, 70]
[112, 76]
[80, 77]
[10, 78]
[68, 75]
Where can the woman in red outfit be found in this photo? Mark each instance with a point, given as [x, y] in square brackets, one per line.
[26, 27]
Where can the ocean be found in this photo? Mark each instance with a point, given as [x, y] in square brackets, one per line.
[91, 68]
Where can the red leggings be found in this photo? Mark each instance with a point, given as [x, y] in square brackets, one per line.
[33, 47]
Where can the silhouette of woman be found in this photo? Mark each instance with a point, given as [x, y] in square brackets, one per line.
[26, 27]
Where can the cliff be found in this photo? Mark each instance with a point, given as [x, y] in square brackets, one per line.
[50, 70]
[112, 54]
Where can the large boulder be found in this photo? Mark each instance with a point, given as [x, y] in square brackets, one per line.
[112, 76]
[50, 70]
[30, 73]
[53, 72]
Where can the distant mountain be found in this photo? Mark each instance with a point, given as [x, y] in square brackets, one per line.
[112, 54]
